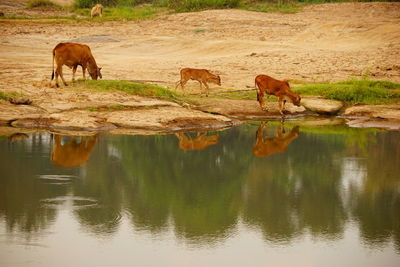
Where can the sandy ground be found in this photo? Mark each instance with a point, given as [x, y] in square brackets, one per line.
[327, 42]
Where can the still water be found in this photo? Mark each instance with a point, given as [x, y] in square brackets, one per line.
[254, 195]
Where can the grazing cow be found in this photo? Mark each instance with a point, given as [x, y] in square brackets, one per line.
[281, 89]
[265, 147]
[201, 75]
[73, 153]
[97, 10]
[200, 142]
[74, 55]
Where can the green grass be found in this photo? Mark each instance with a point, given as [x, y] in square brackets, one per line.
[121, 13]
[6, 96]
[131, 88]
[275, 6]
[199, 30]
[109, 108]
[355, 91]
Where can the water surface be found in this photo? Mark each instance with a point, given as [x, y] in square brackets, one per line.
[254, 195]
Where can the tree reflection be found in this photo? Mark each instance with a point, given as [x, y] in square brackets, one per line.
[21, 188]
[202, 194]
[376, 204]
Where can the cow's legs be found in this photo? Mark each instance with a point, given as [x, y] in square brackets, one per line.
[73, 72]
[260, 99]
[201, 86]
[59, 72]
[281, 105]
[56, 74]
[206, 85]
[84, 71]
[183, 82]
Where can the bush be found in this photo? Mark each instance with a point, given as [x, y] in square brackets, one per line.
[109, 3]
[194, 5]
[41, 3]
[179, 5]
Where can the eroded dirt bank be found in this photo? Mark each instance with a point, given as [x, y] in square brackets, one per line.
[323, 43]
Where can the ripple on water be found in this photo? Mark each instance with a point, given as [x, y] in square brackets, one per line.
[57, 179]
[75, 202]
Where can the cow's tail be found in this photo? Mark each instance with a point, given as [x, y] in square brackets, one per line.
[52, 74]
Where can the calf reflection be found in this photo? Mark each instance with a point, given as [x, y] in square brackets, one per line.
[74, 153]
[200, 142]
[265, 147]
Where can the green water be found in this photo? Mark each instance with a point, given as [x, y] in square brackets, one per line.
[327, 196]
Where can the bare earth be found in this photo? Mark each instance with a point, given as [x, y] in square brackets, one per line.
[328, 42]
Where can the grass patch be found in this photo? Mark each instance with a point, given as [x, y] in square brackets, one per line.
[109, 108]
[245, 95]
[197, 5]
[275, 6]
[121, 13]
[140, 89]
[6, 96]
[355, 91]
[199, 30]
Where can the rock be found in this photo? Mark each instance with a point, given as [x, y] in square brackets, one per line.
[322, 106]
[20, 101]
[375, 123]
[390, 112]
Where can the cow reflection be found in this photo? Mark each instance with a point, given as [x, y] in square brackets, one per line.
[200, 142]
[74, 153]
[265, 147]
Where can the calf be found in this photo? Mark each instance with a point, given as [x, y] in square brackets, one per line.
[97, 10]
[201, 75]
[281, 89]
[74, 55]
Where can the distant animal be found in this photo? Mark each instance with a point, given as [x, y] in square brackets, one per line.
[74, 55]
[74, 153]
[200, 142]
[268, 146]
[281, 89]
[201, 75]
[97, 10]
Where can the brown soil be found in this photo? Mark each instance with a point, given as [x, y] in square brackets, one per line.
[327, 42]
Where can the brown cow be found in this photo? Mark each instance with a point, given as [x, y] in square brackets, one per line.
[200, 142]
[281, 89]
[265, 147]
[201, 75]
[74, 55]
[73, 153]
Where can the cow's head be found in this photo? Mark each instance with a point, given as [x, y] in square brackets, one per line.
[216, 79]
[296, 100]
[95, 74]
